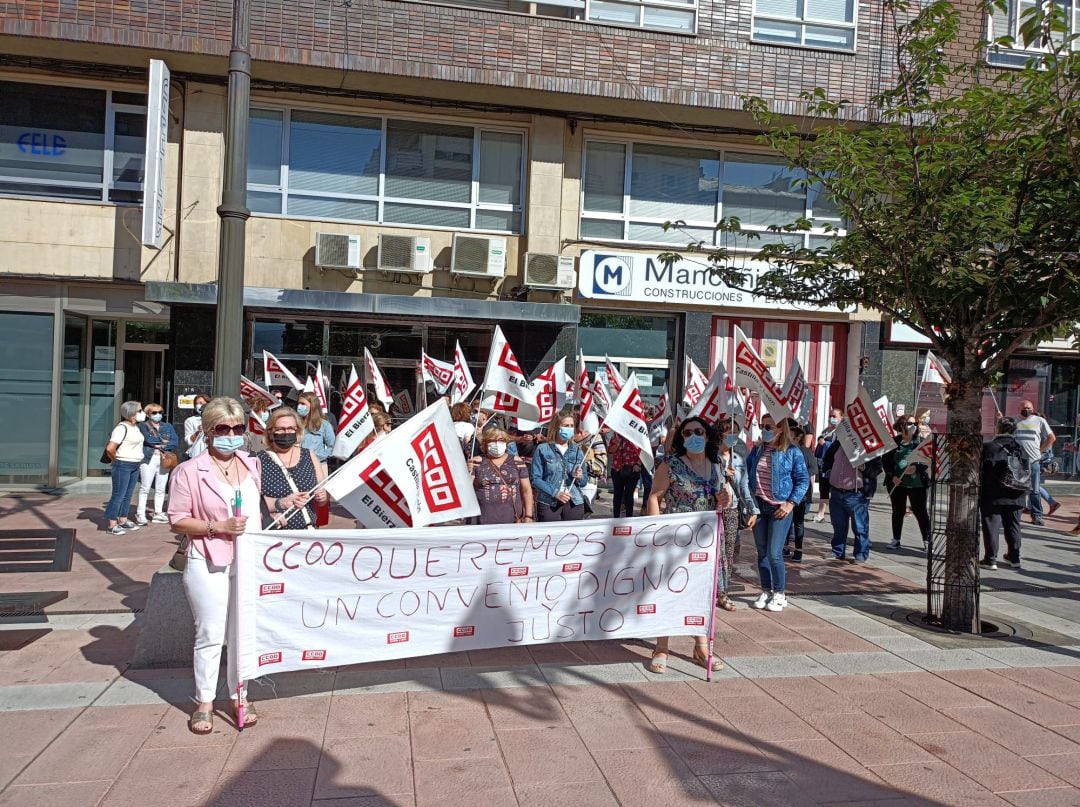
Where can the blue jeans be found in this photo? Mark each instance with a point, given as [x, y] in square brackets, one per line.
[125, 476]
[770, 533]
[1034, 499]
[852, 508]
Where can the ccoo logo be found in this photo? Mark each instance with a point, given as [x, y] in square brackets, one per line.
[611, 276]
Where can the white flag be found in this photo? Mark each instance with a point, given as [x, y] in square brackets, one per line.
[514, 393]
[249, 391]
[864, 433]
[626, 417]
[694, 383]
[584, 389]
[935, 371]
[601, 397]
[375, 378]
[439, 373]
[550, 390]
[795, 389]
[420, 464]
[614, 377]
[320, 388]
[355, 424]
[663, 408]
[275, 374]
[923, 454]
[712, 404]
[463, 383]
[750, 371]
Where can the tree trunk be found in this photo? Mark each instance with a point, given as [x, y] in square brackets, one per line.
[960, 606]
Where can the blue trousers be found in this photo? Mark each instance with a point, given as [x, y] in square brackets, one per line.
[1034, 499]
[850, 508]
[770, 533]
[125, 476]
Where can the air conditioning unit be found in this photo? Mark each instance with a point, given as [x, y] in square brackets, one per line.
[544, 271]
[336, 251]
[404, 253]
[478, 256]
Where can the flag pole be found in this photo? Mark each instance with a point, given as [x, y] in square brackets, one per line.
[712, 600]
[284, 517]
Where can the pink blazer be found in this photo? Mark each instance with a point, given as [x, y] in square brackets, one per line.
[194, 493]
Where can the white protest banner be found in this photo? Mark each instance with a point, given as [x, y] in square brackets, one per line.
[251, 391]
[712, 404]
[355, 424]
[275, 374]
[374, 376]
[751, 371]
[694, 384]
[627, 418]
[865, 434]
[463, 384]
[439, 373]
[310, 599]
[614, 377]
[422, 459]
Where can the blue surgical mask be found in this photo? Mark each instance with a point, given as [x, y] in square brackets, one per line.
[731, 440]
[566, 432]
[833, 421]
[229, 444]
[695, 443]
[156, 417]
[302, 410]
[767, 435]
[264, 416]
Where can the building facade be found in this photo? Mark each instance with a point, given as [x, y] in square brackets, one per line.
[417, 174]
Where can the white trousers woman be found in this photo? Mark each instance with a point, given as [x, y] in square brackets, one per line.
[150, 474]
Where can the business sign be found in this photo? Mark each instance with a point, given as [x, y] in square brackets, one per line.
[642, 277]
[157, 141]
[308, 599]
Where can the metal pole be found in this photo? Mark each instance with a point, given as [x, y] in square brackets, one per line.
[233, 212]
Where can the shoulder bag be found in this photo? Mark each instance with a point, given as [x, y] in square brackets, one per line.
[105, 458]
[292, 486]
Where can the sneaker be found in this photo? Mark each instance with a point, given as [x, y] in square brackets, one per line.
[1054, 507]
[129, 526]
[762, 601]
[837, 557]
[787, 552]
[117, 530]
[988, 563]
[160, 518]
[778, 602]
[141, 521]
[894, 545]
[819, 517]
[796, 557]
[1037, 521]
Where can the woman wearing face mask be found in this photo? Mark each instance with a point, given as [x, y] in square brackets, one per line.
[558, 474]
[824, 441]
[211, 501]
[693, 480]
[779, 480]
[158, 437]
[255, 439]
[319, 435]
[194, 440]
[501, 481]
[125, 449]
[289, 471]
[907, 481]
[733, 468]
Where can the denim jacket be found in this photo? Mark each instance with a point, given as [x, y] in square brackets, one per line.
[741, 484]
[320, 442]
[165, 439]
[550, 469]
[790, 479]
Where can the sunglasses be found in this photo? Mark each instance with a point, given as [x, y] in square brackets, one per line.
[692, 432]
[223, 430]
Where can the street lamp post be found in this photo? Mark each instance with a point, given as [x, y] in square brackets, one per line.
[233, 211]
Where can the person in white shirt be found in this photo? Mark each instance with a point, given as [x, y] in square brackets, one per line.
[125, 451]
[1035, 436]
[193, 433]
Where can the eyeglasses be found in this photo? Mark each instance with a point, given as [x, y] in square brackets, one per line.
[223, 429]
[284, 431]
[692, 432]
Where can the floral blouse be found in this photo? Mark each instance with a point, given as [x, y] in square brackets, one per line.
[688, 492]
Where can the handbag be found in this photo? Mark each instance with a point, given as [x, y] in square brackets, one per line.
[179, 559]
[169, 460]
[292, 486]
[105, 458]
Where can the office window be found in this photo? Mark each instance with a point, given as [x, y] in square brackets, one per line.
[663, 15]
[827, 24]
[1008, 22]
[630, 190]
[361, 168]
[71, 142]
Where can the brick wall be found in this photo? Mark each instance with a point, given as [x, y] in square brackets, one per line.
[713, 69]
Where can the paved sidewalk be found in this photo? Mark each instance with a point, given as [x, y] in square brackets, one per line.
[841, 699]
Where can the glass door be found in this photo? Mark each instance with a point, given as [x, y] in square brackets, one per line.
[74, 399]
[104, 409]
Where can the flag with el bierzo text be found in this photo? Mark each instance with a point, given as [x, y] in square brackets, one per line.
[375, 377]
[308, 599]
[355, 423]
[276, 374]
[463, 383]
[513, 394]
[626, 417]
[865, 433]
[414, 476]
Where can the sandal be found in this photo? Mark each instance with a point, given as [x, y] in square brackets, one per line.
[201, 717]
[658, 662]
[701, 658]
[1075, 530]
[724, 602]
[251, 717]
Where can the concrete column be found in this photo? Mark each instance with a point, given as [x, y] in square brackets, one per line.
[697, 332]
[544, 206]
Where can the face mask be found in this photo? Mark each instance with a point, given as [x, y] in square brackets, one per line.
[140, 417]
[1027, 412]
[302, 410]
[833, 421]
[229, 444]
[156, 417]
[264, 416]
[566, 432]
[496, 449]
[731, 440]
[198, 408]
[695, 443]
[767, 435]
[910, 428]
[284, 440]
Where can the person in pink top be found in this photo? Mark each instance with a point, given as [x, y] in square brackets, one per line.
[211, 500]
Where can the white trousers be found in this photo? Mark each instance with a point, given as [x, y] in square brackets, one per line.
[208, 590]
[149, 473]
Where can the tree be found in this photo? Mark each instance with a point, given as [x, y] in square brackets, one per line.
[962, 203]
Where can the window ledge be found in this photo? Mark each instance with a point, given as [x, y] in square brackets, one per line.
[815, 48]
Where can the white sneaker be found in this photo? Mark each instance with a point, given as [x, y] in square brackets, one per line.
[819, 517]
[778, 602]
[160, 518]
[141, 521]
[763, 600]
